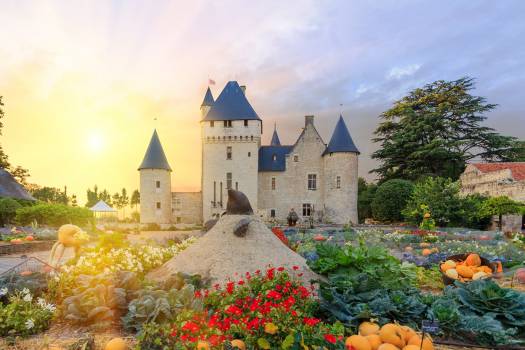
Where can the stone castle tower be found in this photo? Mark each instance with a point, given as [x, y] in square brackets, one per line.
[155, 185]
[231, 137]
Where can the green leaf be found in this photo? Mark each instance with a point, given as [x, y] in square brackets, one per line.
[263, 343]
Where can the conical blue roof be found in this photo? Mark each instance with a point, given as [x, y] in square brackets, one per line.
[341, 140]
[275, 138]
[208, 98]
[155, 157]
[231, 105]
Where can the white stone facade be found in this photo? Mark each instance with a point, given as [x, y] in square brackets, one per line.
[155, 196]
[229, 158]
[498, 182]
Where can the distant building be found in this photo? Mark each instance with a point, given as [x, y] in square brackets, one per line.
[497, 179]
[315, 179]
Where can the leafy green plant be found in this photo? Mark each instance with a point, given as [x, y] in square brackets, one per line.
[53, 215]
[22, 316]
[159, 306]
[390, 199]
[8, 208]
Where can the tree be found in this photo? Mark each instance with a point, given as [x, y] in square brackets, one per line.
[435, 130]
[365, 196]
[500, 206]
[49, 194]
[20, 174]
[106, 197]
[92, 196]
[124, 201]
[390, 199]
[135, 199]
[8, 208]
[74, 202]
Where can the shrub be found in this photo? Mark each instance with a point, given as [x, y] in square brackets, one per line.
[441, 196]
[53, 215]
[8, 208]
[390, 199]
[365, 196]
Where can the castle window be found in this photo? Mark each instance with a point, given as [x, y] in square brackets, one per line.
[235, 137]
[229, 137]
[240, 137]
[338, 182]
[157, 184]
[312, 182]
[227, 123]
[213, 137]
[245, 122]
[272, 213]
[212, 123]
[228, 180]
[274, 157]
[178, 203]
[307, 209]
[273, 183]
[179, 219]
[158, 205]
[251, 137]
[295, 158]
[214, 194]
[236, 186]
[249, 154]
[228, 152]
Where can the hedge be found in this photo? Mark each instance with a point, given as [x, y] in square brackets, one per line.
[53, 215]
[390, 199]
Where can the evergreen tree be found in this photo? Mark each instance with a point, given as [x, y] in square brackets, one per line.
[435, 130]
[49, 194]
[135, 199]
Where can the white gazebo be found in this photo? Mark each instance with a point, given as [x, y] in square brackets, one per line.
[103, 210]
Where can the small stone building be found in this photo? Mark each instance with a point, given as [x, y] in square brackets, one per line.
[497, 179]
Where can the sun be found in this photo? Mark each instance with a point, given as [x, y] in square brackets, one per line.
[95, 142]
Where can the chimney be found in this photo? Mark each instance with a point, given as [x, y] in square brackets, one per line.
[308, 119]
[243, 89]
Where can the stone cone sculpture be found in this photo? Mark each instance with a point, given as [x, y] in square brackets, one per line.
[238, 243]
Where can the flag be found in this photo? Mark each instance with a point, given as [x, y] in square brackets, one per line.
[211, 82]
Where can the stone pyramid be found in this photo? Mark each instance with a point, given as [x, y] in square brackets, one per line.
[222, 254]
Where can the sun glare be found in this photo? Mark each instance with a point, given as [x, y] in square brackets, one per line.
[95, 142]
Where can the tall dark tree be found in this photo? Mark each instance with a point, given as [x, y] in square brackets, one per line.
[92, 196]
[135, 199]
[435, 130]
[19, 173]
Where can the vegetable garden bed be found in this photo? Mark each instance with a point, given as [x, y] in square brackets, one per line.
[26, 247]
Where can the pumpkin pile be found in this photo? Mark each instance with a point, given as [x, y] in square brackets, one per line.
[467, 270]
[389, 337]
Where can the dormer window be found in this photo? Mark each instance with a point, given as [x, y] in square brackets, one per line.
[245, 122]
[212, 123]
[295, 158]
[227, 123]
[274, 157]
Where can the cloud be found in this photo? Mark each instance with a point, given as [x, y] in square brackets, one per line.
[401, 72]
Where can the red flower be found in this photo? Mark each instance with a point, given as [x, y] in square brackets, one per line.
[190, 326]
[330, 338]
[280, 269]
[311, 321]
[295, 267]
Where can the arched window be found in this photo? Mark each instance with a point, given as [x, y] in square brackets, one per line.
[274, 157]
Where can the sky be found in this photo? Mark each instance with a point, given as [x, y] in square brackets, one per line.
[84, 81]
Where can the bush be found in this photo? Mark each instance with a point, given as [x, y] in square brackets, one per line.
[53, 215]
[365, 196]
[8, 208]
[442, 198]
[390, 199]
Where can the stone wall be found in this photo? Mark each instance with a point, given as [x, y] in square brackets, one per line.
[187, 207]
[340, 202]
[291, 189]
[494, 183]
[150, 195]
[245, 142]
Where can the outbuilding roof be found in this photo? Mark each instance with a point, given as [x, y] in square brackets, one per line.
[517, 169]
[155, 157]
[275, 138]
[231, 104]
[273, 158]
[102, 207]
[9, 187]
[341, 140]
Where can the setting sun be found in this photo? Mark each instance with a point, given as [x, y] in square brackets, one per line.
[95, 142]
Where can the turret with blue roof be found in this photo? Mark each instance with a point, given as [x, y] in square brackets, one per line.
[341, 140]
[155, 157]
[231, 104]
[208, 99]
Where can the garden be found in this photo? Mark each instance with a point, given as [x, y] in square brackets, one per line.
[377, 289]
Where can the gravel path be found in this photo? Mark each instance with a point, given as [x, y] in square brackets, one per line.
[8, 261]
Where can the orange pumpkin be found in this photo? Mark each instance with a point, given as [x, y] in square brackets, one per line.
[374, 340]
[409, 333]
[358, 342]
[393, 334]
[427, 342]
[426, 252]
[465, 271]
[367, 328]
[387, 346]
[473, 260]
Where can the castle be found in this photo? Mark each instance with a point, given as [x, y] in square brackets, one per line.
[318, 181]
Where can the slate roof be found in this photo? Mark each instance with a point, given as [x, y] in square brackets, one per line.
[208, 98]
[341, 140]
[155, 157]
[266, 155]
[9, 187]
[231, 104]
[275, 139]
[516, 168]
